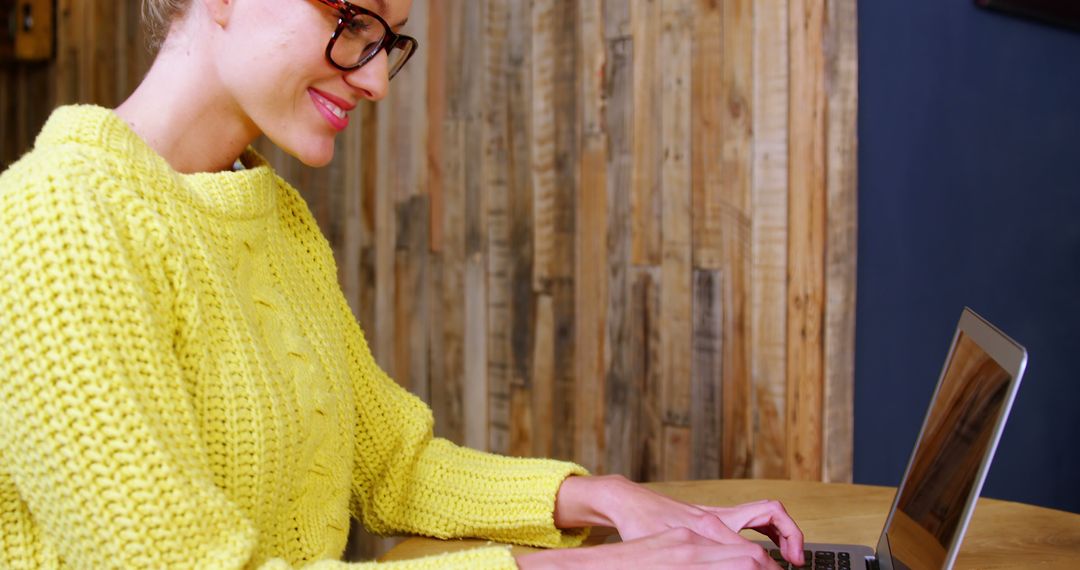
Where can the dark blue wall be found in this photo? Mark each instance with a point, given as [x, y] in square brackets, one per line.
[969, 194]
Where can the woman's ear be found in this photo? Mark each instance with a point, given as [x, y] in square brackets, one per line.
[219, 10]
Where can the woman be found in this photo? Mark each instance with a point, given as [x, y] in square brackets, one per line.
[183, 384]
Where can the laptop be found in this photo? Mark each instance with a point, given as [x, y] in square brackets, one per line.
[945, 474]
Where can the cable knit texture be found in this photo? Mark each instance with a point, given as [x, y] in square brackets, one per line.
[182, 384]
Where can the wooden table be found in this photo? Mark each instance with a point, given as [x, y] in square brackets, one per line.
[1002, 534]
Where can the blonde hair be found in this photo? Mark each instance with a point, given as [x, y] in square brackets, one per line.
[158, 15]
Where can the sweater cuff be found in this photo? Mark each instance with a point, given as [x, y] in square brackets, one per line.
[459, 492]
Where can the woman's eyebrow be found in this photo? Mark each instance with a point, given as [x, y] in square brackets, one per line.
[383, 8]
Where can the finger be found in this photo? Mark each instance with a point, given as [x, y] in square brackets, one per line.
[774, 519]
[711, 527]
[732, 549]
[771, 519]
[752, 554]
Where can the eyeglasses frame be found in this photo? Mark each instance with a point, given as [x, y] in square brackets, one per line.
[346, 12]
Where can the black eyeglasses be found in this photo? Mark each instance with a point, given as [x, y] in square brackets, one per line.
[359, 36]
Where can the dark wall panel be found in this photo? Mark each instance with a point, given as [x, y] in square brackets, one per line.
[969, 194]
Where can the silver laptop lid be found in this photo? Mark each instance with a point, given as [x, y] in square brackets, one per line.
[946, 471]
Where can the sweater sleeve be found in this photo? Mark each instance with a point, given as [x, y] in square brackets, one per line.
[406, 480]
[100, 460]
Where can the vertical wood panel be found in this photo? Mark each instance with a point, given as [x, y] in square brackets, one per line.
[562, 279]
[438, 354]
[806, 243]
[546, 210]
[473, 70]
[646, 194]
[447, 389]
[545, 50]
[622, 392]
[723, 95]
[768, 342]
[736, 239]
[412, 304]
[706, 420]
[542, 409]
[563, 395]
[591, 251]
[385, 246]
[365, 302]
[495, 174]
[10, 146]
[842, 160]
[355, 226]
[709, 162]
[648, 373]
[715, 422]
[520, 202]
[675, 295]
[436, 114]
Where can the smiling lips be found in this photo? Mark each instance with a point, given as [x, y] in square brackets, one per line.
[333, 109]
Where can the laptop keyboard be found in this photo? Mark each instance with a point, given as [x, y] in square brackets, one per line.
[816, 560]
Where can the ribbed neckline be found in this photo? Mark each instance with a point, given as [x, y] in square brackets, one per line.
[234, 194]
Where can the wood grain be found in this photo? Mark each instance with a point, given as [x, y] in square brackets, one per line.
[35, 43]
[769, 235]
[646, 196]
[590, 294]
[806, 241]
[496, 186]
[676, 271]
[648, 373]
[706, 417]
[520, 217]
[735, 220]
[622, 390]
[840, 267]
[473, 69]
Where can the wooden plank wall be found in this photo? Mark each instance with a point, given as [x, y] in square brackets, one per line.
[640, 232]
[617, 232]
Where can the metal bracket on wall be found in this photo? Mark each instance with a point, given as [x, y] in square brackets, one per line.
[27, 30]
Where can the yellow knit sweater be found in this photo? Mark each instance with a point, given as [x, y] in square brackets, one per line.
[182, 384]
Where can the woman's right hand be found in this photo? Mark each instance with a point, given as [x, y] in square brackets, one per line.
[675, 548]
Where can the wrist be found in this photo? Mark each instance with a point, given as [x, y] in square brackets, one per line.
[587, 501]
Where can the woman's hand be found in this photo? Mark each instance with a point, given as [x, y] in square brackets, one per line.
[672, 548]
[637, 512]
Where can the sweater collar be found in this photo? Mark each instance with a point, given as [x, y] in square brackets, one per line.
[240, 194]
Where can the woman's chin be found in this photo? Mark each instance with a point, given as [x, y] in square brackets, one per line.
[318, 161]
[315, 155]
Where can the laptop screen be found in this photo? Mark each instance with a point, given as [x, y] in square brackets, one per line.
[945, 467]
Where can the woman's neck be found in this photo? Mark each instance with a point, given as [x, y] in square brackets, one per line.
[183, 112]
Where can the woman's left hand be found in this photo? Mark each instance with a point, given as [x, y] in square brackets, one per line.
[637, 511]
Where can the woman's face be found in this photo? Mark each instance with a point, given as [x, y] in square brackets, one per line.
[271, 58]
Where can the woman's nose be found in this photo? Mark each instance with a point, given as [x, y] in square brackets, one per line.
[372, 78]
